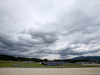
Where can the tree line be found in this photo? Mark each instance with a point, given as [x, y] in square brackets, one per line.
[12, 58]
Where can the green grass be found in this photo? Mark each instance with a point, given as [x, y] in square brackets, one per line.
[37, 65]
[30, 65]
[7, 63]
[72, 65]
[78, 66]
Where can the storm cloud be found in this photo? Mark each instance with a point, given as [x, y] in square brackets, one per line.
[51, 29]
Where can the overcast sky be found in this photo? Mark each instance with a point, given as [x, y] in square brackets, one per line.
[52, 29]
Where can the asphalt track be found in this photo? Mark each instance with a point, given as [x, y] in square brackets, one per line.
[49, 71]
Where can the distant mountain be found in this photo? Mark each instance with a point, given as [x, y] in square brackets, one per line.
[90, 58]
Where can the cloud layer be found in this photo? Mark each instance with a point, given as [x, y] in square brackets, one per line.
[50, 29]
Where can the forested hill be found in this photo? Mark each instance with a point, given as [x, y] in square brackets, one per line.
[8, 58]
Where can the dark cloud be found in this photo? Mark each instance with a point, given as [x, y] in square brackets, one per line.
[47, 37]
[50, 29]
